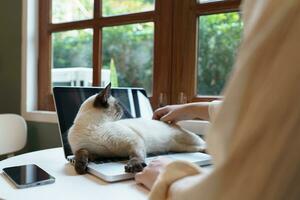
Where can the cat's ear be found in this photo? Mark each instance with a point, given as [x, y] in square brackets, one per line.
[102, 98]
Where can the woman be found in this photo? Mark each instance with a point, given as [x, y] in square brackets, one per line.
[255, 136]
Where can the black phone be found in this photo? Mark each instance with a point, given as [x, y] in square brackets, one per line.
[25, 176]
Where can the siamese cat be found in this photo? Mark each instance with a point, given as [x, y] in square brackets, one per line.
[99, 131]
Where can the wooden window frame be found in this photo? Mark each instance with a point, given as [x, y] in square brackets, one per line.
[175, 46]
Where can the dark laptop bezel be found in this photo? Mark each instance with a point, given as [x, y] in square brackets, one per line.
[79, 90]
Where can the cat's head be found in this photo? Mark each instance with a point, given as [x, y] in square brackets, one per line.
[102, 105]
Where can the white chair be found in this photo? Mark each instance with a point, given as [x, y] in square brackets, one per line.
[13, 133]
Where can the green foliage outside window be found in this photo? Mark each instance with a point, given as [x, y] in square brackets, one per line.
[131, 47]
[113, 74]
[219, 38]
[72, 49]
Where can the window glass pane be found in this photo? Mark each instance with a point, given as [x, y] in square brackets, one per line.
[127, 53]
[66, 10]
[72, 58]
[121, 7]
[218, 40]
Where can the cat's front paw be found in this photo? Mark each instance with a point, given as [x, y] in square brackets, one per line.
[81, 166]
[135, 165]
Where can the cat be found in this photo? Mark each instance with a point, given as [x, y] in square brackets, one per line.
[99, 131]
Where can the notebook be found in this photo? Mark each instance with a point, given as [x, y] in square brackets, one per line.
[135, 104]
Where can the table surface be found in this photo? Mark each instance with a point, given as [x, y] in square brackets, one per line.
[68, 185]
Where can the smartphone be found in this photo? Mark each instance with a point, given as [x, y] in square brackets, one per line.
[25, 176]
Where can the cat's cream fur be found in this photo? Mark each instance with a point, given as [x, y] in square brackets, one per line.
[99, 129]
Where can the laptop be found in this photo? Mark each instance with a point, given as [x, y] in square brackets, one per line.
[135, 104]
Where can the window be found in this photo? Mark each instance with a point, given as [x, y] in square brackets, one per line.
[178, 50]
[218, 40]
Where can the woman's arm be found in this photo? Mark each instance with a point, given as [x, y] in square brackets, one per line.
[198, 110]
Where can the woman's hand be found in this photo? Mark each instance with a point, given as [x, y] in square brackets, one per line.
[172, 113]
[175, 113]
[150, 173]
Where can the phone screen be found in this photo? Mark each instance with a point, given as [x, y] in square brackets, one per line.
[28, 175]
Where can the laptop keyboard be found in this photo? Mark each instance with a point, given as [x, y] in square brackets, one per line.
[107, 160]
[151, 156]
[125, 159]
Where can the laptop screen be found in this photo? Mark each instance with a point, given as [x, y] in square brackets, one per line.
[67, 100]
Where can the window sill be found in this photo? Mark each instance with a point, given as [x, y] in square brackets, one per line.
[200, 127]
[196, 126]
[40, 116]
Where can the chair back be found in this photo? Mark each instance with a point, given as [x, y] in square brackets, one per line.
[13, 133]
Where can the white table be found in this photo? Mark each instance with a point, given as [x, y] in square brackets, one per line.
[68, 185]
